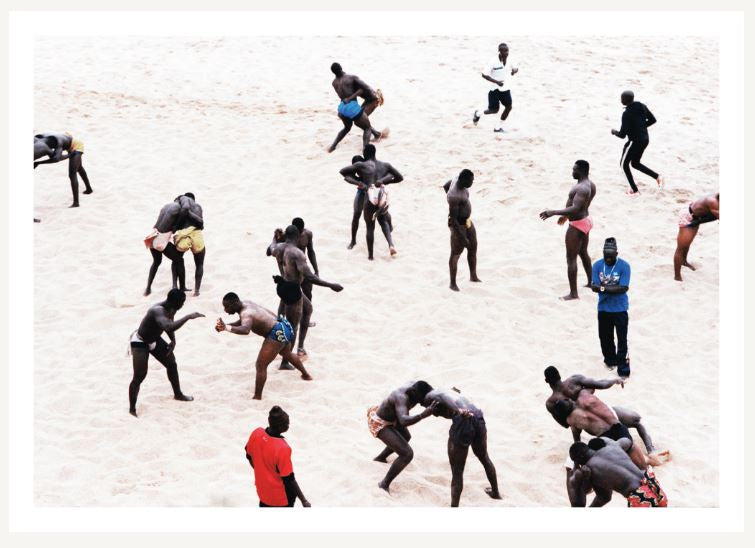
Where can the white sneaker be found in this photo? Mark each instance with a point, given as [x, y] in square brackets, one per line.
[475, 118]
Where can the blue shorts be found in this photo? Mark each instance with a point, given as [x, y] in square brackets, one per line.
[351, 110]
[282, 331]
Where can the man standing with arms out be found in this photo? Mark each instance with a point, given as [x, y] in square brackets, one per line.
[373, 175]
[580, 223]
[270, 457]
[189, 236]
[389, 422]
[147, 340]
[703, 210]
[348, 87]
[604, 466]
[498, 75]
[75, 148]
[306, 244]
[610, 280]
[463, 233]
[278, 336]
[634, 124]
[467, 428]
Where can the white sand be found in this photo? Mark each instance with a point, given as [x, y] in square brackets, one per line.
[243, 123]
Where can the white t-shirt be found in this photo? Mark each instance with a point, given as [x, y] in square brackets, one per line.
[502, 73]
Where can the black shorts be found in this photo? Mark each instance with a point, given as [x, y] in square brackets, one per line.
[495, 96]
[467, 430]
[616, 432]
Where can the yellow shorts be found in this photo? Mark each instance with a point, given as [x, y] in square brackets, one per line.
[189, 238]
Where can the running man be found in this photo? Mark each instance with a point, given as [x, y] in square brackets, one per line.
[580, 223]
[635, 122]
[389, 422]
[56, 144]
[188, 235]
[293, 266]
[278, 335]
[701, 211]
[147, 340]
[348, 87]
[498, 74]
[273, 472]
[374, 175]
[160, 241]
[467, 428]
[603, 465]
[463, 232]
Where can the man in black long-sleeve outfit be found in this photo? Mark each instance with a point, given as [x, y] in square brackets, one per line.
[634, 123]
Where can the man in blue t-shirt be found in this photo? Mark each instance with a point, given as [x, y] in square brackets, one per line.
[610, 280]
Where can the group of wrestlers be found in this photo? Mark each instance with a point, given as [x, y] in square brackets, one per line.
[611, 461]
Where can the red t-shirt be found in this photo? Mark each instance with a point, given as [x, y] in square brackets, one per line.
[272, 461]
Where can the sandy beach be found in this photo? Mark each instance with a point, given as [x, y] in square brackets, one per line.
[243, 123]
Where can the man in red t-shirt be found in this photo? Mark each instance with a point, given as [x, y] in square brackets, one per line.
[270, 457]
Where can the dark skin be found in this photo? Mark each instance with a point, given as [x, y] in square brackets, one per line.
[606, 470]
[171, 216]
[450, 403]
[194, 218]
[463, 232]
[707, 205]
[359, 200]
[256, 319]
[348, 87]
[58, 143]
[276, 429]
[306, 244]
[609, 256]
[369, 173]
[395, 408]
[159, 319]
[294, 268]
[576, 241]
[503, 55]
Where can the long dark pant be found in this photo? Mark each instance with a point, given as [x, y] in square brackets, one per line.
[632, 157]
[607, 323]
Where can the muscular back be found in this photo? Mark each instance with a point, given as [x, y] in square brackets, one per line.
[304, 239]
[591, 415]
[293, 263]
[258, 318]
[398, 397]
[707, 205]
[149, 330]
[168, 218]
[612, 469]
[348, 84]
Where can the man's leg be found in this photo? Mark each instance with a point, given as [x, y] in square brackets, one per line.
[637, 150]
[621, 322]
[480, 449]
[396, 442]
[370, 231]
[683, 242]
[605, 332]
[493, 102]
[81, 171]
[585, 258]
[363, 123]
[456, 249]
[267, 353]
[304, 323]
[293, 313]
[385, 227]
[73, 168]
[472, 254]
[177, 267]
[140, 358]
[157, 258]
[358, 207]
[573, 243]
[289, 355]
[627, 171]
[198, 270]
[631, 419]
[341, 134]
[168, 359]
[385, 453]
[457, 458]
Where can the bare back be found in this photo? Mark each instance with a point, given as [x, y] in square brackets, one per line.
[611, 468]
[257, 318]
[304, 239]
[348, 84]
[396, 403]
[149, 329]
[707, 205]
[591, 415]
[167, 219]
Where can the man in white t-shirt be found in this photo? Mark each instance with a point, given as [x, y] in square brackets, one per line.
[499, 75]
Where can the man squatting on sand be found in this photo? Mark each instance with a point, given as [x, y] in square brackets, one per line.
[389, 422]
[146, 340]
[467, 429]
[463, 233]
[372, 175]
[277, 334]
[348, 87]
[580, 223]
[294, 270]
[701, 211]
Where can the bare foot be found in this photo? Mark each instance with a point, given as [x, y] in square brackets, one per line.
[351, 245]
[88, 191]
[196, 292]
[306, 376]
[454, 287]
[183, 397]
[300, 351]
[378, 459]
[384, 134]
[678, 278]
[312, 324]
[475, 279]
[330, 149]
[384, 487]
[370, 258]
[37, 220]
[493, 494]
[75, 204]
[569, 297]
[257, 398]
[147, 291]
[286, 366]
[133, 412]
[685, 263]
[393, 251]
[658, 458]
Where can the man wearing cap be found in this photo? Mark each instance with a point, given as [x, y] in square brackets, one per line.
[610, 280]
[278, 336]
[270, 456]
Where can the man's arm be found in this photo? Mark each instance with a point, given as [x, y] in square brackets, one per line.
[489, 79]
[713, 206]
[453, 215]
[249, 458]
[403, 417]
[392, 177]
[311, 254]
[447, 186]
[301, 264]
[172, 337]
[241, 327]
[165, 324]
[624, 127]
[576, 486]
[587, 382]
[576, 434]
[276, 243]
[602, 497]
[293, 491]
[195, 214]
[580, 197]
[649, 118]
[353, 181]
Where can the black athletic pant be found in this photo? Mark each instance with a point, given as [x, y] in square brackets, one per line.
[632, 157]
[607, 323]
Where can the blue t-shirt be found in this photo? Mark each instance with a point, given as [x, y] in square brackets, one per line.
[618, 274]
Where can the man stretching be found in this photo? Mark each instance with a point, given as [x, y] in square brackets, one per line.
[580, 223]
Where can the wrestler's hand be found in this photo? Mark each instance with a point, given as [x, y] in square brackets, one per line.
[219, 325]
[195, 315]
[620, 381]
[514, 71]
[545, 214]
[336, 287]
[466, 413]
[429, 409]
[614, 132]
[562, 219]
[278, 235]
